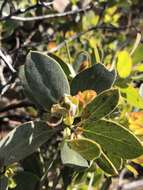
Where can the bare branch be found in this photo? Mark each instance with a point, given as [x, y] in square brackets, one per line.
[76, 36]
[7, 62]
[50, 16]
[133, 185]
[22, 11]
[16, 105]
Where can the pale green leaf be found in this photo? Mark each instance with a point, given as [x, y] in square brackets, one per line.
[71, 158]
[23, 141]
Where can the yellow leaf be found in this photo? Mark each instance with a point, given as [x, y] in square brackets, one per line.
[89, 19]
[135, 120]
[124, 64]
[133, 170]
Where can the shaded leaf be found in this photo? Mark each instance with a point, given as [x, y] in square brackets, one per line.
[86, 148]
[113, 138]
[96, 78]
[3, 183]
[72, 158]
[23, 141]
[26, 180]
[33, 164]
[102, 105]
[45, 78]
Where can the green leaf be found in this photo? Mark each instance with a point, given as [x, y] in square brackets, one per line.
[124, 64]
[26, 181]
[66, 67]
[138, 55]
[3, 182]
[113, 138]
[23, 141]
[71, 158]
[46, 79]
[106, 165]
[88, 149]
[102, 105]
[116, 161]
[28, 92]
[132, 96]
[33, 164]
[96, 78]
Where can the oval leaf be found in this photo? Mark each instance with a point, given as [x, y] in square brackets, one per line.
[45, 78]
[66, 67]
[28, 92]
[71, 158]
[113, 138]
[106, 165]
[102, 105]
[96, 78]
[86, 148]
[124, 64]
[132, 96]
[23, 141]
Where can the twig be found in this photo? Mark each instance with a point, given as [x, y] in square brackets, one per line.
[49, 16]
[121, 178]
[5, 87]
[16, 117]
[91, 182]
[22, 11]
[76, 36]
[133, 185]
[7, 62]
[16, 105]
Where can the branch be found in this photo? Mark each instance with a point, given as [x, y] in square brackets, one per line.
[49, 16]
[7, 62]
[22, 11]
[16, 105]
[98, 27]
[133, 185]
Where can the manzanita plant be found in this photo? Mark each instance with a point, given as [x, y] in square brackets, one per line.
[76, 105]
